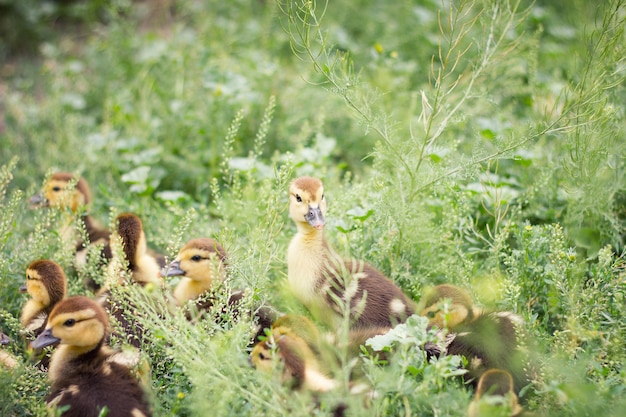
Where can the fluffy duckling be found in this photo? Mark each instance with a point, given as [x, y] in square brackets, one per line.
[301, 368]
[322, 280]
[64, 191]
[6, 359]
[460, 310]
[495, 396]
[486, 339]
[87, 375]
[46, 284]
[201, 264]
[142, 266]
[131, 260]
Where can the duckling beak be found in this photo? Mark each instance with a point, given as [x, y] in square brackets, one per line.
[44, 339]
[38, 200]
[315, 217]
[23, 288]
[172, 270]
[4, 339]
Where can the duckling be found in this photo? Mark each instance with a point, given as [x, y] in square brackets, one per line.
[495, 396]
[6, 359]
[304, 328]
[323, 281]
[139, 263]
[133, 262]
[486, 339]
[461, 308]
[46, 284]
[67, 192]
[301, 368]
[202, 263]
[85, 373]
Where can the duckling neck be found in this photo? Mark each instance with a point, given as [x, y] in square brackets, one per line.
[67, 231]
[306, 259]
[146, 270]
[31, 309]
[190, 289]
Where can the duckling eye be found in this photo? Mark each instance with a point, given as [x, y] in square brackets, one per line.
[28, 277]
[323, 196]
[262, 356]
[69, 322]
[298, 198]
[56, 188]
[196, 258]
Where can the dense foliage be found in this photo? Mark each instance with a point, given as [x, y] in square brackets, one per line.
[479, 143]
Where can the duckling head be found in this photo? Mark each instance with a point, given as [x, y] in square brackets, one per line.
[307, 205]
[45, 282]
[201, 263]
[201, 259]
[63, 191]
[78, 322]
[460, 309]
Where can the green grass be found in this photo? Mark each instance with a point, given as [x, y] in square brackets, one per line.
[479, 143]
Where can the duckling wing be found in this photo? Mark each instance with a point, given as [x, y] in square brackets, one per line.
[374, 300]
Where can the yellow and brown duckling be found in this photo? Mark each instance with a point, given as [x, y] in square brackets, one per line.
[201, 263]
[460, 309]
[495, 396]
[46, 284]
[85, 373]
[67, 192]
[7, 360]
[131, 264]
[136, 259]
[322, 280]
[300, 363]
[487, 339]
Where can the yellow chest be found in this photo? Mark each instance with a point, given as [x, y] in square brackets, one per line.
[305, 263]
[30, 311]
[189, 289]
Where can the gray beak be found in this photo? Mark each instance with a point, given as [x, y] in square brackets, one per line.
[4, 339]
[38, 200]
[172, 270]
[44, 339]
[23, 288]
[315, 217]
